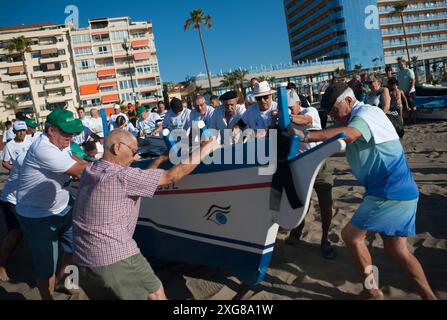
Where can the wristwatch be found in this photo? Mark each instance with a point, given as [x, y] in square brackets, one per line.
[306, 136]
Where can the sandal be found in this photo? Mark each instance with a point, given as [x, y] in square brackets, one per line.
[327, 250]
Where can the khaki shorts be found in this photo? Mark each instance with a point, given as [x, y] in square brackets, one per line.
[128, 279]
[324, 183]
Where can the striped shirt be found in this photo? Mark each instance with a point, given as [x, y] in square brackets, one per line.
[106, 212]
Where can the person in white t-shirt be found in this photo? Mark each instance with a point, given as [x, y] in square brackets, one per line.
[228, 117]
[83, 117]
[177, 117]
[250, 99]
[148, 123]
[32, 134]
[117, 113]
[16, 146]
[96, 123]
[308, 119]
[260, 115]
[201, 111]
[8, 134]
[43, 202]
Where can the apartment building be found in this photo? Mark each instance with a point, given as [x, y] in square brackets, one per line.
[115, 61]
[44, 79]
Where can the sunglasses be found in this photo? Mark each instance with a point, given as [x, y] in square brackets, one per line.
[263, 98]
[134, 152]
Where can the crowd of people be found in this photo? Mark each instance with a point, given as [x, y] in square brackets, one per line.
[94, 230]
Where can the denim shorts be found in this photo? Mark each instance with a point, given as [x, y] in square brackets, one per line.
[389, 218]
[43, 236]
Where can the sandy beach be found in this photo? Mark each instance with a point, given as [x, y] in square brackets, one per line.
[300, 272]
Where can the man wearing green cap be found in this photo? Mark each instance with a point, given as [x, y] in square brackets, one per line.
[43, 203]
[149, 123]
[32, 134]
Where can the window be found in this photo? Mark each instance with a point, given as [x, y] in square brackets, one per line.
[102, 49]
[154, 67]
[64, 65]
[40, 81]
[140, 34]
[127, 84]
[146, 83]
[87, 77]
[85, 64]
[82, 38]
[61, 52]
[121, 23]
[144, 69]
[83, 52]
[35, 54]
[119, 35]
[91, 103]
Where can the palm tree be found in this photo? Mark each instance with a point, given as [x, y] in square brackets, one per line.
[196, 19]
[22, 45]
[271, 80]
[358, 68]
[11, 102]
[239, 75]
[340, 71]
[399, 9]
[229, 80]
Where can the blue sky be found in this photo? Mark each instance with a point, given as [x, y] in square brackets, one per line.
[245, 32]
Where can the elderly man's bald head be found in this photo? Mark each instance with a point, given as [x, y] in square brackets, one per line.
[120, 147]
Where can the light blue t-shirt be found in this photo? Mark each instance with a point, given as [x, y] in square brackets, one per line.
[381, 168]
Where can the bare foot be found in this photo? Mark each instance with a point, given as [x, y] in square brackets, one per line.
[3, 275]
[374, 294]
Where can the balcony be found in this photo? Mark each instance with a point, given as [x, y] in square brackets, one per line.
[16, 91]
[26, 103]
[14, 78]
[47, 74]
[58, 98]
[56, 85]
[61, 57]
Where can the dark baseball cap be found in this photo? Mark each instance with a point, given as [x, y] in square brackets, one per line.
[331, 95]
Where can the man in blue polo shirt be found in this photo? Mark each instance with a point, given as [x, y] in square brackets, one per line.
[391, 195]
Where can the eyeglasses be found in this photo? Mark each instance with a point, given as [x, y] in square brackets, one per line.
[134, 152]
[263, 98]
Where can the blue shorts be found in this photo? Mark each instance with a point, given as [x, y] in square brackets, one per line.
[389, 218]
[43, 236]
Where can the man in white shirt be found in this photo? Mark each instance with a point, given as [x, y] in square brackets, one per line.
[43, 202]
[32, 134]
[308, 119]
[8, 134]
[16, 146]
[82, 117]
[250, 99]
[260, 115]
[177, 117]
[228, 117]
[96, 123]
[201, 111]
[117, 113]
[148, 123]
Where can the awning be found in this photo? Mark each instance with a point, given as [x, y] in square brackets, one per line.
[108, 84]
[89, 89]
[110, 98]
[17, 69]
[49, 51]
[142, 56]
[106, 73]
[140, 43]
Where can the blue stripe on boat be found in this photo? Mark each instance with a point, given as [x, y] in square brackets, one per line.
[247, 266]
[208, 236]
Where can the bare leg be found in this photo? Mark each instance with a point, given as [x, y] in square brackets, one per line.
[66, 260]
[397, 249]
[9, 244]
[158, 295]
[354, 239]
[46, 287]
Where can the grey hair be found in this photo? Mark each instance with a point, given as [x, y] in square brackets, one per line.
[348, 93]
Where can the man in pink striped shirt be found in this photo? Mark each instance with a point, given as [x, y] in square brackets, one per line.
[105, 216]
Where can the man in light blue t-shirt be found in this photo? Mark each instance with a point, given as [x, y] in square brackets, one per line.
[391, 195]
[407, 83]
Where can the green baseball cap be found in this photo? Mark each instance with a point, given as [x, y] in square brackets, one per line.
[140, 111]
[65, 120]
[31, 123]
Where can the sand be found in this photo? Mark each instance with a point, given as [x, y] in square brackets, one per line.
[299, 272]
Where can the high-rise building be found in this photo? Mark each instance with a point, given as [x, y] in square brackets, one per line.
[42, 79]
[364, 32]
[115, 61]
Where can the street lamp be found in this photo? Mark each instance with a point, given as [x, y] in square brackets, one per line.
[126, 47]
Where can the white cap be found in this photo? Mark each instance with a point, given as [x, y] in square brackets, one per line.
[292, 97]
[116, 106]
[19, 125]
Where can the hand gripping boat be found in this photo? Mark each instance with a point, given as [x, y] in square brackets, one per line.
[227, 215]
